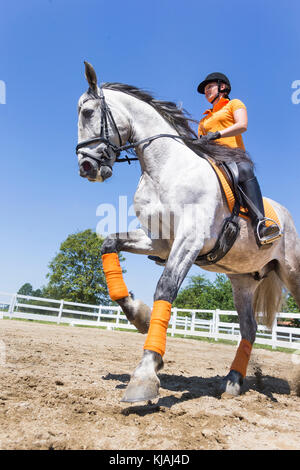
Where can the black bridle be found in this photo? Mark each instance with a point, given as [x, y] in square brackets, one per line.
[106, 116]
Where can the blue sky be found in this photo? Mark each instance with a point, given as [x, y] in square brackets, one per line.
[164, 46]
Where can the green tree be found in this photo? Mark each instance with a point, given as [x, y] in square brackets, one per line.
[196, 295]
[27, 289]
[289, 305]
[76, 272]
[223, 297]
[201, 293]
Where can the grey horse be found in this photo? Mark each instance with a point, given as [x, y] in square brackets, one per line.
[176, 181]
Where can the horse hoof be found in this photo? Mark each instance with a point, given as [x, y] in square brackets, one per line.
[142, 316]
[232, 383]
[142, 389]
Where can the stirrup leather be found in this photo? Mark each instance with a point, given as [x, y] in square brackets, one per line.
[270, 238]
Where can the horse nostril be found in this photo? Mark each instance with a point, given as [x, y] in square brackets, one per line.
[86, 166]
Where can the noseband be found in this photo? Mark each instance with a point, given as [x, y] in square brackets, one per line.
[106, 115]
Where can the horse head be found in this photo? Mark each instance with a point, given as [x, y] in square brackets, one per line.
[100, 133]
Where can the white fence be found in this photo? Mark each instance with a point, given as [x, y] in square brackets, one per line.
[185, 322]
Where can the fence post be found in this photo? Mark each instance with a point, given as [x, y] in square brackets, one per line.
[174, 318]
[274, 333]
[118, 317]
[193, 322]
[99, 315]
[185, 325]
[216, 323]
[60, 311]
[211, 324]
[12, 305]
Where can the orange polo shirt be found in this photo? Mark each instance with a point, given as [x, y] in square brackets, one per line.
[221, 117]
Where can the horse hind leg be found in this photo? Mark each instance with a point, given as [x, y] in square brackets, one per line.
[293, 285]
[289, 273]
[288, 266]
[243, 287]
[252, 295]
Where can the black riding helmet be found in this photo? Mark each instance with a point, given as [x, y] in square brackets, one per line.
[215, 77]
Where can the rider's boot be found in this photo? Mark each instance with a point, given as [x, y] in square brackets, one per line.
[264, 234]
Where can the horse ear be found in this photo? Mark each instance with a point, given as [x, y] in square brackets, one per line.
[91, 76]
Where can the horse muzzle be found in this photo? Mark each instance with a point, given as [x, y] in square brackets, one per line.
[90, 169]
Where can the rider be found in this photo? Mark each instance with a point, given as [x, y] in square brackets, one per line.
[226, 121]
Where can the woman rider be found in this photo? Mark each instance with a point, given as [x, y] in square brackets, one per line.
[226, 121]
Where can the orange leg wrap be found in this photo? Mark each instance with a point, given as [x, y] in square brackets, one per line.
[113, 273]
[157, 334]
[242, 357]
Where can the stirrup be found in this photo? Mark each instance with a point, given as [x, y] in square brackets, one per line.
[271, 238]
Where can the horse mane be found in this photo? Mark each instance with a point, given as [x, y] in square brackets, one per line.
[180, 120]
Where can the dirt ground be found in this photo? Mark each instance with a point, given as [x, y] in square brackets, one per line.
[60, 388]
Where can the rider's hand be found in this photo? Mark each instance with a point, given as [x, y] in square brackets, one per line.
[210, 136]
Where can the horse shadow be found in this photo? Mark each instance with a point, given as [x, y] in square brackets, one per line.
[196, 387]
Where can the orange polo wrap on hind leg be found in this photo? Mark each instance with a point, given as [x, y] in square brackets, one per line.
[113, 273]
[242, 357]
[157, 334]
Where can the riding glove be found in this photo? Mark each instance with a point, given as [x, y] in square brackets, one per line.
[210, 136]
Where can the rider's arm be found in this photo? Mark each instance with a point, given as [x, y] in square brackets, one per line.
[239, 126]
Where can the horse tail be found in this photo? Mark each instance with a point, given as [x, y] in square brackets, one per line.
[268, 298]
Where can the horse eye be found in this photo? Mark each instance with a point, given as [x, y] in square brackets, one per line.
[87, 113]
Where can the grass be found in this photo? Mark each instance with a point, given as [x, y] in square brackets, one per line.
[198, 338]
[230, 342]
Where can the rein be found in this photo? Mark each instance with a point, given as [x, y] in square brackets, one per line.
[106, 115]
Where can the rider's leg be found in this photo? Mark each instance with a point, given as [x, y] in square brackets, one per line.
[249, 184]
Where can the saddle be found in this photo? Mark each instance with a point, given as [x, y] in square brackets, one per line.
[237, 201]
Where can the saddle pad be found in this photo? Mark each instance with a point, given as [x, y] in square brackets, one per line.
[269, 210]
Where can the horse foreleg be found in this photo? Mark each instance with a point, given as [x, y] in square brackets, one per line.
[243, 287]
[144, 383]
[136, 311]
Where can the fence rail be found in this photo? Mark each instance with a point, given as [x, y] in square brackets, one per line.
[185, 322]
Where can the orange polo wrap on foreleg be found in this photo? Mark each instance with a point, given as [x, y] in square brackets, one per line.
[157, 334]
[242, 357]
[113, 273]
